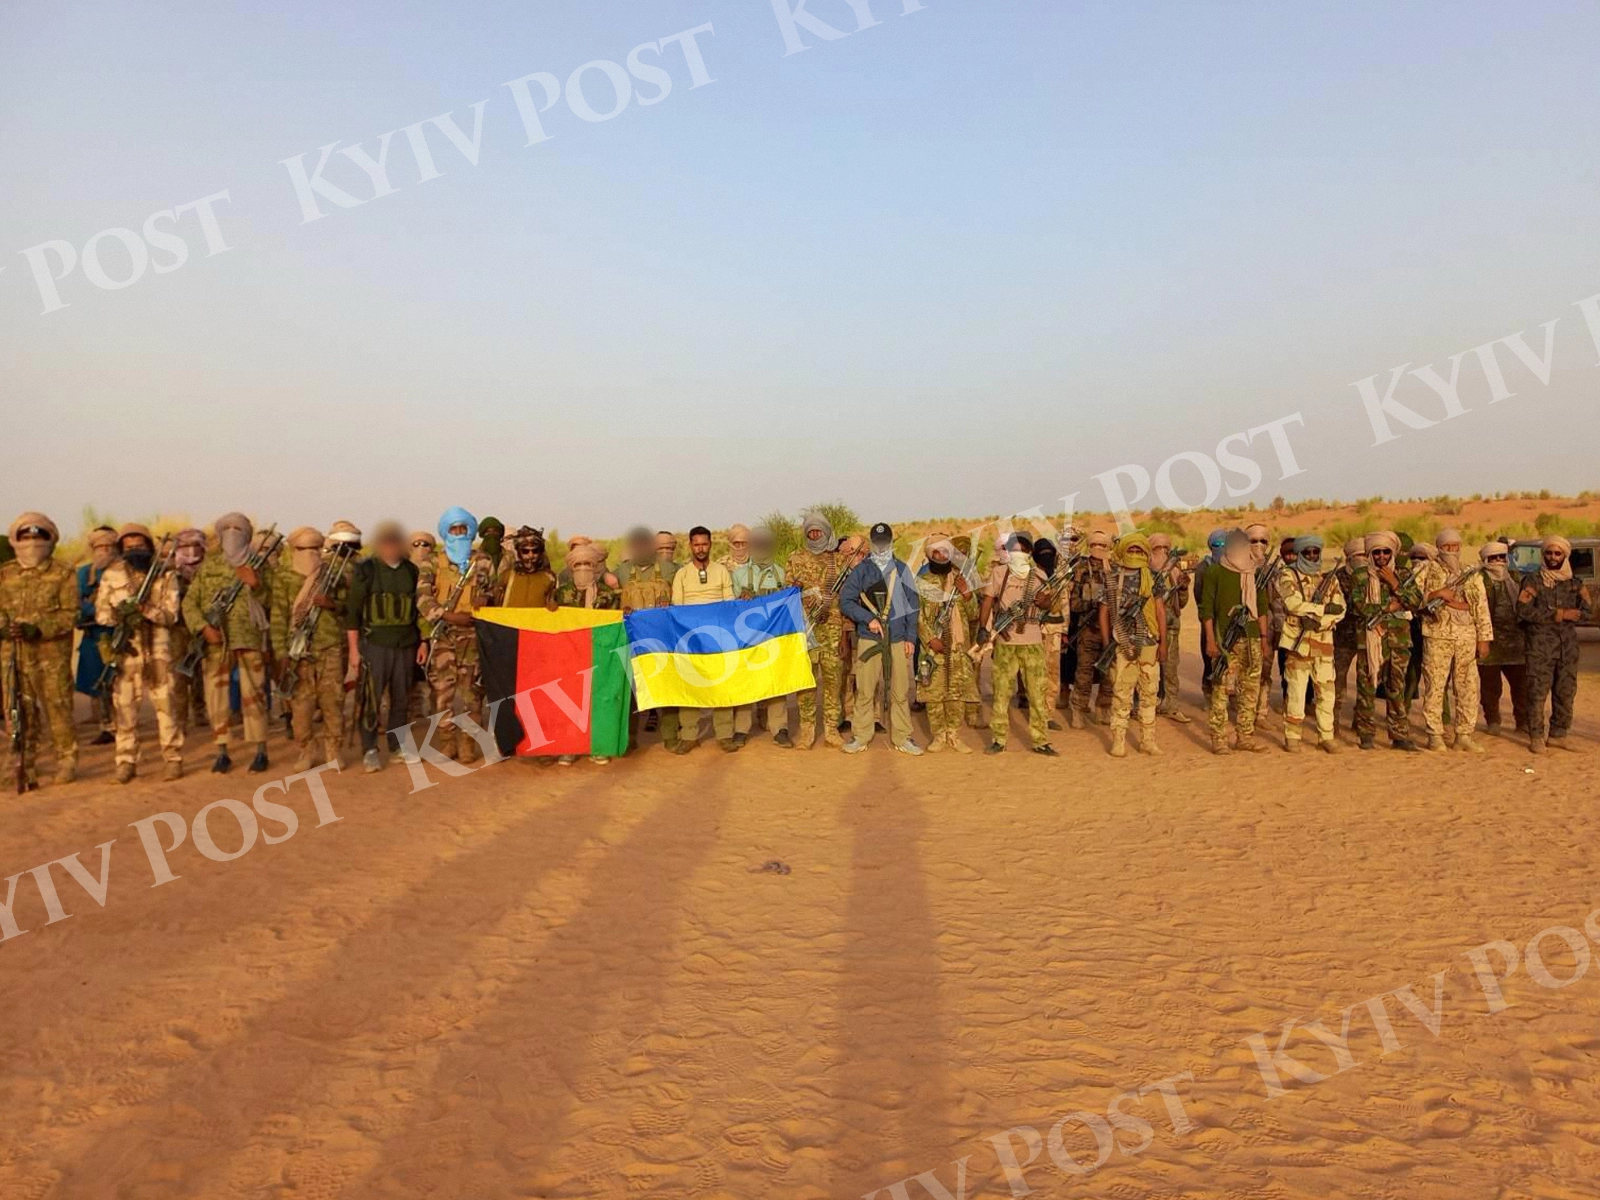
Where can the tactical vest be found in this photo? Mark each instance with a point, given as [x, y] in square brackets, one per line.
[391, 596]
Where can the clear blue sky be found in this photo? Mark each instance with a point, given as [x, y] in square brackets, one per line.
[954, 263]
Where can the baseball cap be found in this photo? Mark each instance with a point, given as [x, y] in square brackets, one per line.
[881, 534]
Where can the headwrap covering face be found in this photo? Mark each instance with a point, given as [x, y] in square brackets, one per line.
[1355, 551]
[1384, 539]
[138, 557]
[102, 548]
[458, 546]
[1303, 543]
[666, 546]
[1045, 554]
[1216, 542]
[1099, 545]
[1238, 556]
[1450, 561]
[938, 542]
[189, 550]
[585, 562]
[1548, 577]
[305, 558]
[1498, 571]
[1260, 552]
[1423, 551]
[31, 553]
[493, 532]
[134, 529]
[1160, 551]
[737, 553]
[1133, 554]
[421, 554]
[527, 546]
[816, 521]
[234, 532]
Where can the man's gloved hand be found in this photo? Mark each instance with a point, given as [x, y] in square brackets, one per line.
[26, 631]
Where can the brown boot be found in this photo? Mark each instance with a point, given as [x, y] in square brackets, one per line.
[1219, 745]
[1147, 741]
[172, 772]
[1249, 745]
[66, 771]
[1328, 747]
[1075, 717]
[953, 740]
[1119, 743]
[124, 773]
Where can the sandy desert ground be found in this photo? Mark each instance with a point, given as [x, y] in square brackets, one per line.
[543, 982]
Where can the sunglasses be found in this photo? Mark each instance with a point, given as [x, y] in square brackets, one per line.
[1311, 554]
[1261, 541]
[1495, 558]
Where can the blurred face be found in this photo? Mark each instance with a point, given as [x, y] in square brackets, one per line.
[391, 547]
[640, 549]
[700, 548]
[762, 547]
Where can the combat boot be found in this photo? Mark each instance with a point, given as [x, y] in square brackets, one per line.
[1147, 741]
[1291, 745]
[124, 773]
[956, 743]
[935, 744]
[1249, 745]
[1219, 745]
[1328, 747]
[304, 762]
[1435, 742]
[1467, 745]
[1535, 745]
[1119, 743]
[172, 772]
[66, 771]
[260, 762]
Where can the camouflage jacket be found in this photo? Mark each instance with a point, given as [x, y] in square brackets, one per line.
[46, 596]
[153, 639]
[649, 586]
[956, 627]
[1538, 612]
[1365, 609]
[1088, 590]
[436, 579]
[815, 576]
[283, 587]
[1308, 624]
[1473, 620]
[212, 577]
[605, 596]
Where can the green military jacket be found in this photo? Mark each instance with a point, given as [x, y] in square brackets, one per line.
[46, 596]
[211, 578]
[1408, 595]
[282, 588]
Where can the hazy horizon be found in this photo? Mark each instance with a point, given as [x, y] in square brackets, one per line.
[953, 261]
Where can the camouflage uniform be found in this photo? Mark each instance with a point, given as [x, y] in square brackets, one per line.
[1243, 678]
[1307, 642]
[241, 648]
[319, 683]
[945, 691]
[569, 595]
[1395, 629]
[1177, 599]
[1138, 671]
[1450, 646]
[146, 669]
[453, 657]
[1013, 657]
[650, 586]
[45, 596]
[1506, 664]
[1552, 654]
[1087, 590]
[814, 575]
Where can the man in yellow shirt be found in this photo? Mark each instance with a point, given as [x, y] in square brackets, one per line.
[701, 581]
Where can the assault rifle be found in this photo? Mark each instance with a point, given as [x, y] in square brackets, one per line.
[450, 603]
[1318, 595]
[1003, 620]
[1435, 606]
[122, 634]
[1130, 608]
[329, 577]
[1371, 623]
[1240, 620]
[365, 717]
[222, 603]
[16, 720]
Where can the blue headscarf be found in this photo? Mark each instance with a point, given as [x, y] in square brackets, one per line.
[1217, 540]
[1301, 545]
[458, 547]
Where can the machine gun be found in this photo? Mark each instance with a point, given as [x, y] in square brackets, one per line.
[1318, 595]
[1130, 608]
[222, 603]
[1003, 620]
[122, 636]
[329, 577]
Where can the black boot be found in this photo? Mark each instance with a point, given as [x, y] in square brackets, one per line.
[223, 763]
[259, 763]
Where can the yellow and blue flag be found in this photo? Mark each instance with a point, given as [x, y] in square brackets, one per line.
[720, 655]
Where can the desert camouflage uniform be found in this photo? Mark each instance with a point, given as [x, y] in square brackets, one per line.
[1137, 672]
[945, 693]
[1242, 678]
[1013, 659]
[242, 647]
[1450, 645]
[568, 595]
[1307, 641]
[45, 596]
[319, 684]
[649, 586]
[814, 575]
[1087, 590]
[1552, 654]
[1177, 599]
[453, 659]
[1396, 630]
[146, 669]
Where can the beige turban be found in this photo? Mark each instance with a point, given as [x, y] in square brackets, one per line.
[1355, 549]
[134, 529]
[1099, 544]
[666, 541]
[344, 533]
[102, 539]
[421, 554]
[38, 520]
[1383, 540]
[577, 540]
[32, 554]
[586, 554]
[1548, 577]
[1497, 571]
[1450, 561]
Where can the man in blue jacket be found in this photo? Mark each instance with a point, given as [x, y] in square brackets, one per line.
[880, 596]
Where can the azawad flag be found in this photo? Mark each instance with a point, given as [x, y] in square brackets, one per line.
[563, 677]
[720, 655]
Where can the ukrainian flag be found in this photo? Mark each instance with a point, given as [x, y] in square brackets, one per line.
[720, 655]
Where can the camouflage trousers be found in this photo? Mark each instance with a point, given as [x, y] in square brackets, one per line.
[1009, 662]
[1553, 678]
[828, 667]
[140, 676]
[1054, 635]
[1169, 669]
[1130, 675]
[1090, 647]
[1298, 669]
[945, 693]
[1244, 677]
[319, 685]
[252, 665]
[45, 669]
[1392, 674]
[453, 685]
[1445, 655]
